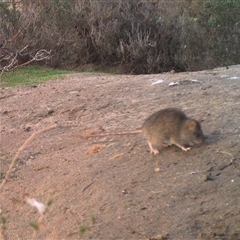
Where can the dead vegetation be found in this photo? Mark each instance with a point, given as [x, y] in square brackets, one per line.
[130, 36]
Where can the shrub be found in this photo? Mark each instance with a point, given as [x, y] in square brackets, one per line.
[220, 20]
[140, 36]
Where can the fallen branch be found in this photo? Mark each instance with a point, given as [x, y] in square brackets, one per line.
[40, 55]
[34, 134]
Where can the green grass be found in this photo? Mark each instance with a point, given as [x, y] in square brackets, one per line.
[30, 75]
[93, 219]
[82, 229]
[34, 226]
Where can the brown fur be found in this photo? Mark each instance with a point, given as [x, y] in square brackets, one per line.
[171, 126]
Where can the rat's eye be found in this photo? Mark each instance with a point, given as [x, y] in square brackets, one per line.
[197, 134]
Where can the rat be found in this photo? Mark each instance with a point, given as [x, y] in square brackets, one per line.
[169, 126]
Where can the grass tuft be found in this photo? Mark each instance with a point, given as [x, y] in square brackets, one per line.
[3, 222]
[82, 229]
[34, 225]
[93, 219]
[49, 202]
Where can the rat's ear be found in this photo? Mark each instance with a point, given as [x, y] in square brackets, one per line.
[199, 119]
[191, 124]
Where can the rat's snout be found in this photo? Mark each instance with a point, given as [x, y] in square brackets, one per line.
[199, 138]
[199, 142]
[205, 137]
[202, 141]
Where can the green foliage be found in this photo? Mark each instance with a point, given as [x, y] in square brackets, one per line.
[49, 202]
[82, 229]
[9, 21]
[34, 226]
[221, 21]
[93, 219]
[3, 221]
[220, 14]
[9, 13]
[30, 75]
[62, 9]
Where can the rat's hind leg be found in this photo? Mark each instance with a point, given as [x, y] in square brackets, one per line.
[152, 149]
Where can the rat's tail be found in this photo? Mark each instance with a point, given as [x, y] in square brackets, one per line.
[131, 132]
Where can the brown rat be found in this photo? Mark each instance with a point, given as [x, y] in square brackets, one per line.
[171, 126]
[167, 127]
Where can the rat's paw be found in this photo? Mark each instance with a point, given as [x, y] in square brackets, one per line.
[182, 147]
[186, 149]
[154, 151]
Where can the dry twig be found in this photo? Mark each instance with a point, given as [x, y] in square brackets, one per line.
[40, 55]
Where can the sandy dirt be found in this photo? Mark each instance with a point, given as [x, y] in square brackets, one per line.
[112, 187]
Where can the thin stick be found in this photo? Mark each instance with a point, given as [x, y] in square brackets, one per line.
[223, 152]
[21, 149]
